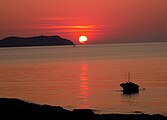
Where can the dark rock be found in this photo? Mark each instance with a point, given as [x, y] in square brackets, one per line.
[11, 108]
[131, 117]
[83, 114]
[20, 109]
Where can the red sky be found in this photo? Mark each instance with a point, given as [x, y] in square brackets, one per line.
[103, 21]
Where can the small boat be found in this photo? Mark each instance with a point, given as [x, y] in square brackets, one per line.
[129, 87]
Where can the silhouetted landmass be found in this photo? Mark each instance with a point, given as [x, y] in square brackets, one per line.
[18, 109]
[34, 41]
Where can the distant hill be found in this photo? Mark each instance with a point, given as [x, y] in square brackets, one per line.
[34, 41]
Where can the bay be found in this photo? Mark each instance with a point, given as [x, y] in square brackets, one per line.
[87, 76]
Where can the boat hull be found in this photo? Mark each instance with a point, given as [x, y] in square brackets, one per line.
[130, 88]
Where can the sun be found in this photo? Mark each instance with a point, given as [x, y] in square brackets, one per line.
[83, 39]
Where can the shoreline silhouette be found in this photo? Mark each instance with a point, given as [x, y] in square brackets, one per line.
[20, 109]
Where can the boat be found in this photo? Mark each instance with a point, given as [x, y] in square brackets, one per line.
[129, 87]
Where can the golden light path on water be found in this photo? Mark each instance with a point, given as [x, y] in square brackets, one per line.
[84, 85]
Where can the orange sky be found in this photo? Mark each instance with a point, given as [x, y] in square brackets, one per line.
[103, 21]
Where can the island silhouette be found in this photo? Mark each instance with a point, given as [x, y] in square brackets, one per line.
[34, 41]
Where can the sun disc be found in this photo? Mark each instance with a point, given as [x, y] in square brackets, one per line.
[83, 39]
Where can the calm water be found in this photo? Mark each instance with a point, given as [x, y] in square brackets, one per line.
[87, 76]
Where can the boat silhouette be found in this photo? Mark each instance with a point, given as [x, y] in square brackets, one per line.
[129, 87]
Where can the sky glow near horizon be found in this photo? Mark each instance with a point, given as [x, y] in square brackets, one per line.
[103, 21]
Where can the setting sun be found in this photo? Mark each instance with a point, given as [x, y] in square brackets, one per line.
[83, 39]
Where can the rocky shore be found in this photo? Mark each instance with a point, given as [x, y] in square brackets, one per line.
[19, 109]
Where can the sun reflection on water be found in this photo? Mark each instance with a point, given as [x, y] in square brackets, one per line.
[84, 85]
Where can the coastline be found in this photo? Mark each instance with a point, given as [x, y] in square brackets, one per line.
[20, 109]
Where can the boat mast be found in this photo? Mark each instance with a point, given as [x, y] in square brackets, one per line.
[128, 76]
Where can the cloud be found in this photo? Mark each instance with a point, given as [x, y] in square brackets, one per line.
[58, 18]
[72, 26]
[74, 30]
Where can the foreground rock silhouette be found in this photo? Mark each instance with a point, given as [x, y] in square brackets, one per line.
[18, 109]
[34, 41]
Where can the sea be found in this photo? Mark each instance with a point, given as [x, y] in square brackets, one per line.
[87, 76]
